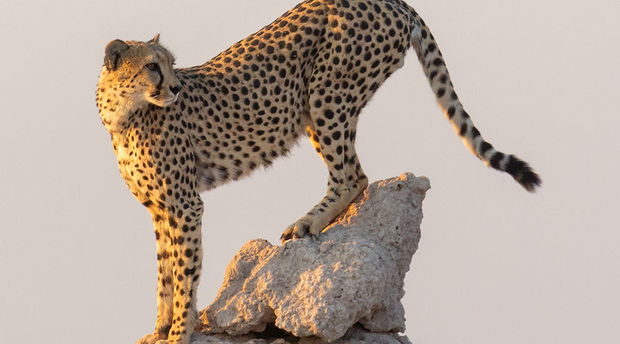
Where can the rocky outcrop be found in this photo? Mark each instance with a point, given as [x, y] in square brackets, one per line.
[344, 286]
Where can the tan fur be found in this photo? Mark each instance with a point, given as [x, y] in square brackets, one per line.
[310, 72]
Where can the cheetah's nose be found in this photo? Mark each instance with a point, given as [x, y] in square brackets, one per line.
[175, 89]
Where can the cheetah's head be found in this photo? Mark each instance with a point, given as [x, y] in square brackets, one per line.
[141, 72]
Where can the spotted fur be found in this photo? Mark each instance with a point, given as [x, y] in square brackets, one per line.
[177, 132]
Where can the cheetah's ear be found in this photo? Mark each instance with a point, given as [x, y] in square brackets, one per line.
[154, 39]
[113, 53]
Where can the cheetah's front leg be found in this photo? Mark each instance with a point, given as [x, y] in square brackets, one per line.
[177, 315]
[164, 279]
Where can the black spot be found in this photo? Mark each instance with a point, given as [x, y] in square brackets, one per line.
[496, 159]
[485, 147]
[514, 166]
[451, 111]
[463, 131]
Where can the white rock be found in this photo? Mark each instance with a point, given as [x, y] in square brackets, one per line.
[346, 284]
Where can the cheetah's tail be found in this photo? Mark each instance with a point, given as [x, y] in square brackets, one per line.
[435, 69]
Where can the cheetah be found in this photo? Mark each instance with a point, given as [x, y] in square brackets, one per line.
[178, 132]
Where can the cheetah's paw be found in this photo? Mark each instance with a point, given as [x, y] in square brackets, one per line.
[301, 228]
[298, 229]
[153, 338]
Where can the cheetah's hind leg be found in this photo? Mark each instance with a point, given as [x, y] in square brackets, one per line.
[321, 215]
[335, 143]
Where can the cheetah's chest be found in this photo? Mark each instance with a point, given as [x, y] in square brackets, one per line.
[135, 171]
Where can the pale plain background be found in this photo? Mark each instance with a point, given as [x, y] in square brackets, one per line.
[495, 264]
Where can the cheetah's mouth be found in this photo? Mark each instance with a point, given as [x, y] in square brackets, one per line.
[171, 100]
[160, 101]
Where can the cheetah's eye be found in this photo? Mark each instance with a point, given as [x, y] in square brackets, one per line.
[152, 66]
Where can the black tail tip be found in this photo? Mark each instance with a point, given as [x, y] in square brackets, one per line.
[523, 174]
[529, 180]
